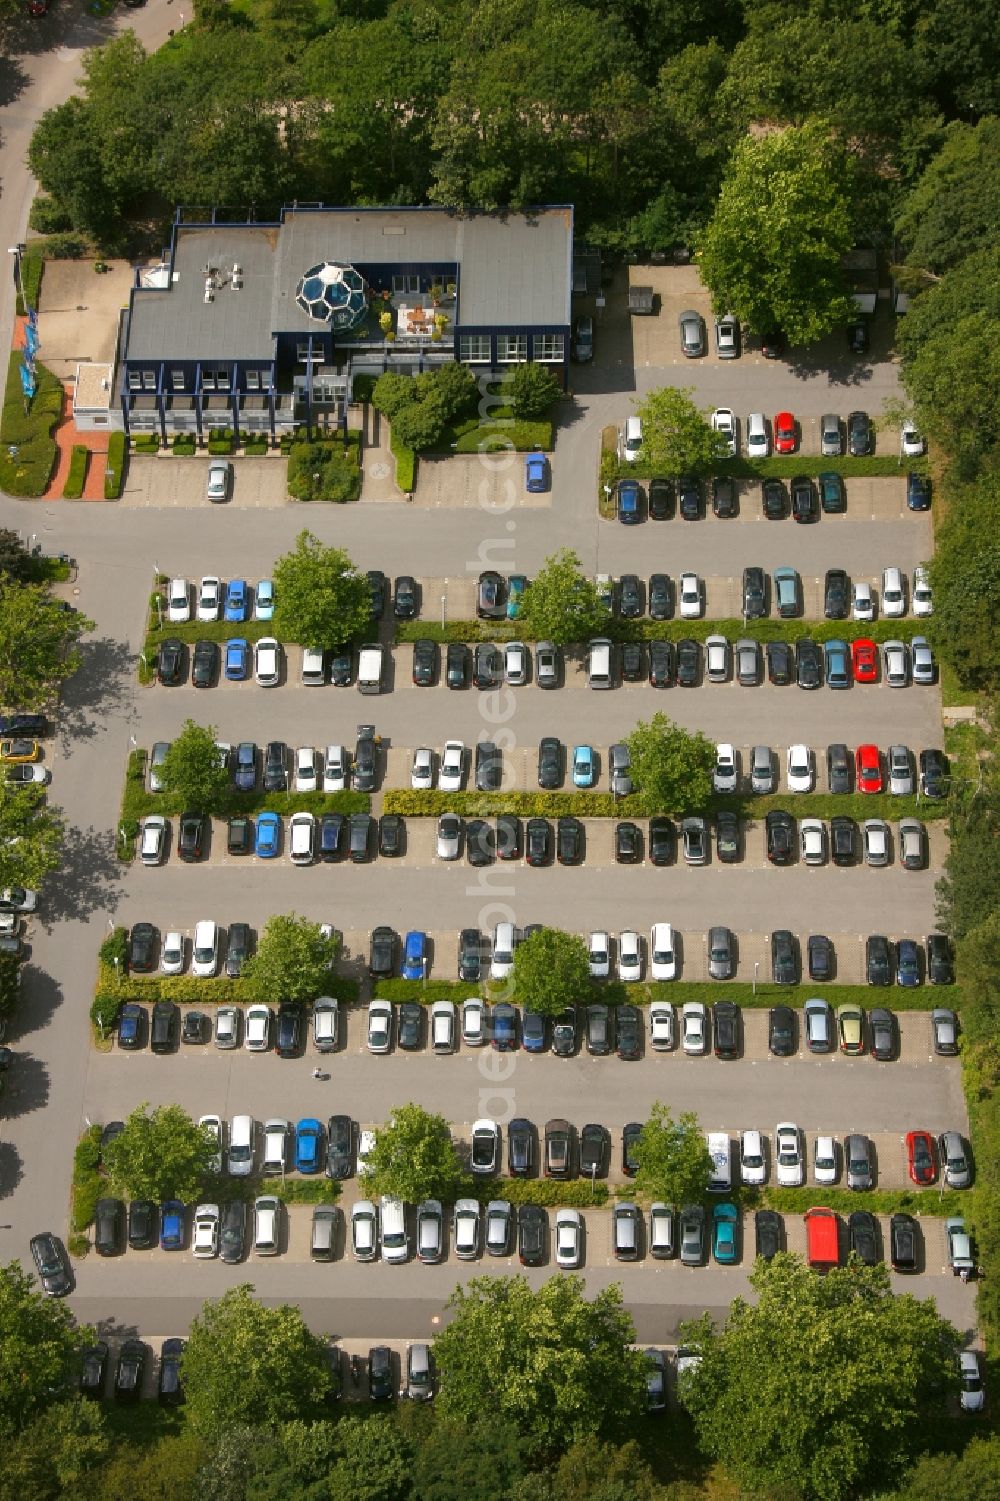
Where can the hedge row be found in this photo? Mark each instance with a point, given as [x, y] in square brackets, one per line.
[201, 630]
[576, 1194]
[919, 1201]
[190, 990]
[778, 466]
[406, 464]
[87, 1180]
[77, 476]
[139, 802]
[114, 471]
[733, 628]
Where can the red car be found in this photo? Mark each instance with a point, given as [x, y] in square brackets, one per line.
[785, 437]
[864, 654]
[920, 1157]
[868, 766]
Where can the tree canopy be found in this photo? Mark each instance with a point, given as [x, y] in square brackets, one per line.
[677, 437]
[561, 604]
[551, 971]
[31, 834]
[161, 1154]
[673, 1158]
[320, 598]
[671, 766]
[40, 1346]
[415, 1158]
[293, 961]
[193, 771]
[953, 209]
[38, 644]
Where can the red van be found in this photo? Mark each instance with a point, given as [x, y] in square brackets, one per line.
[822, 1239]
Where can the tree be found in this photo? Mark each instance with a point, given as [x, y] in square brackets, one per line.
[965, 574]
[671, 767]
[977, 964]
[167, 1467]
[57, 1453]
[38, 645]
[677, 438]
[531, 389]
[414, 1158]
[282, 1365]
[161, 1154]
[321, 599]
[420, 424]
[192, 770]
[560, 604]
[15, 562]
[772, 251]
[31, 834]
[374, 1461]
[867, 1369]
[293, 960]
[953, 209]
[974, 1472]
[456, 1462]
[454, 387]
[576, 1370]
[966, 892]
[674, 1160]
[392, 392]
[595, 1471]
[551, 971]
[40, 1348]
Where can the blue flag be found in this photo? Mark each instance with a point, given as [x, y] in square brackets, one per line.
[32, 316]
[30, 338]
[27, 381]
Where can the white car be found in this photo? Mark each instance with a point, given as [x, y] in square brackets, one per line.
[895, 664]
[213, 1127]
[662, 952]
[922, 595]
[825, 1160]
[366, 1145]
[257, 1029]
[724, 422]
[972, 1397]
[893, 594]
[875, 838]
[422, 770]
[689, 596]
[452, 763]
[473, 1022]
[694, 1026]
[267, 662]
[788, 1165]
[334, 769]
[515, 663]
[599, 953]
[629, 957]
[568, 1238]
[172, 954]
[716, 659]
[724, 771]
[755, 438]
[443, 1027]
[153, 840]
[799, 768]
[921, 661]
[661, 1026]
[210, 598]
[449, 836]
[631, 439]
[753, 1163]
[178, 601]
[364, 1230]
[911, 441]
[379, 1026]
[219, 475]
[205, 950]
[863, 606]
[205, 1236]
[306, 778]
[502, 955]
[812, 840]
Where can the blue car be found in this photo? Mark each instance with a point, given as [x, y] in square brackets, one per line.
[584, 771]
[629, 502]
[907, 963]
[308, 1135]
[172, 1225]
[245, 766]
[536, 473]
[237, 660]
[237, 600]
[918, 492]
[263, 600]
[130, 1024]
[415, 956]
[516, 585]
[268, 842]
[838, 664]
[725, 1220]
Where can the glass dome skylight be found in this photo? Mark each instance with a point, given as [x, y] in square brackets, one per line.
[334, 294]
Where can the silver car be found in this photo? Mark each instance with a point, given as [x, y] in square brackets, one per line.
[912, 844]
[829, 435]
[515, 663]
[921, 660]
[762, 777]
[220, 473]
[747, 656]
[156, 760]
[547, 665]
[858, 1162]
[900, 767]
[876, 841]
[692, 327]
[954, 1160]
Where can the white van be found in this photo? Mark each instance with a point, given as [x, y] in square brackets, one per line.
[631, 439]
[239, 1157]
[275, 1143]
[443, 1027]
[313, 668]
[395, 1241]
[720, 1179]
[266, 1225]
[370, 667]
[599, 662]
[502, 961]
[302, 838]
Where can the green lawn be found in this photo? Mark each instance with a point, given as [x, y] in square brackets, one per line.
[27, 449]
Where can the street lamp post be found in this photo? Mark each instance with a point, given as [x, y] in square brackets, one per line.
[444, 602]
[756, 969]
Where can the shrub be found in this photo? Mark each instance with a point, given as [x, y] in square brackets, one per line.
[525, 804]
[543, 1191]
[519, 437]
[48, 217]
[104, 1012]
[114, 949]
[27, 449]
[77, 476]
[256, 448]
[146, 442]
[426, 992]
[114, 470]
[532, 390]
[86, 1188]
[324, 471]
[391, 393]
[406, 465]
[66, 247]
[184, 446]
[220, 443]
[32, 266]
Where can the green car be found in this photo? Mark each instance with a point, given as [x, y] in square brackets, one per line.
[831, 492]
[516, 585]
[725, 1222]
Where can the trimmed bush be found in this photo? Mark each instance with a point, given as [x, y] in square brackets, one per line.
[104, 1012]
[146, 442]
[426, 992]
[114, 469]
[406, 465]
[48, 217]
[525, 804]
[114, 949]
[324, 471]
[844, 1201]
[87, 1180]
[65, 247]
[672, 630]
[256, 448]
[77, 476]
[578, 1194]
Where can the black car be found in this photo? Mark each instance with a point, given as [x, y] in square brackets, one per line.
[489, 596]
[359, 837]
[143, 1224]
[772, 344]
[33, 726]
[727, 837]
[904, 1241]
[289, 1029]
[141, 956]
[489, 767]
[754, 593]
[857, 335]
[239, 835]
[599, 1035]
[862, 1236]
[331, 836]
[95, 1364]
[425, 662]
[661, 499]
[933, 773]
[239, 948]
[508, 836]
[859, 434]
[594, 1151]
[410, 1025]
[380, 1381]
[769, 1231]
[549, 763]
[689, 497]
[820, 957]
[629, 596]
[245, 766]
[378, 587]
[629, 1030]
[480, 846]
[342, 668]
[538, 841]
[784, 958]
[109, 1227]
[276, 766]
[725, 497]
[233, 1231]
[169, 1390]
[520, 1147]
[808, 664]
[628, 843]
[878, 960]
[660, 597]
[836, 594]
[662, 841]
[51, 1264]
[190, 836]
[339, 1147]
[391, 835]
[204, 663]
[404, 597]
[918, 492]
[456, 671]
[838, 767]
[365, 759]
[883, 1030]
[171, 663]
[781, 1031]
[194, 1027]
[569, 841]
[773, 500]
[780, 663]
[804, 504]
[487, 665]
[726, 1029]
[661, 664]
[940, 966]
[630, 1136]
[382, 952]
[532, 1224]
[564, 1033]
[131, 1026]
[843, 842]
[688, 663]
[633, 662]
[779, 828]
[128, 1371]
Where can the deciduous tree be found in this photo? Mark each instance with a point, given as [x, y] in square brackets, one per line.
[561, 604]
[674, 1160]
[414, 1158]
[57, 1454]
[293, 960]
[458, 1462]
[161, 1154]
[40, 1346]
[321, 598]
[677, 438]
[374, 1460]
[38, 645]
[671, 766]
[953, 209]
[531, 390]
[31, 835]
[551, 971]
[192, 770]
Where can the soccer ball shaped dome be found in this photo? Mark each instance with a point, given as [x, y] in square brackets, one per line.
[333, 294]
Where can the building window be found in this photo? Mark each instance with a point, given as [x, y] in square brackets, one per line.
[177, 380]
[149, 380]
[208, 380]
[253, 380]
[135, 380]
[512, 349]
[474, 349]
[403, 284]
[222, 379]
[548, 347]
